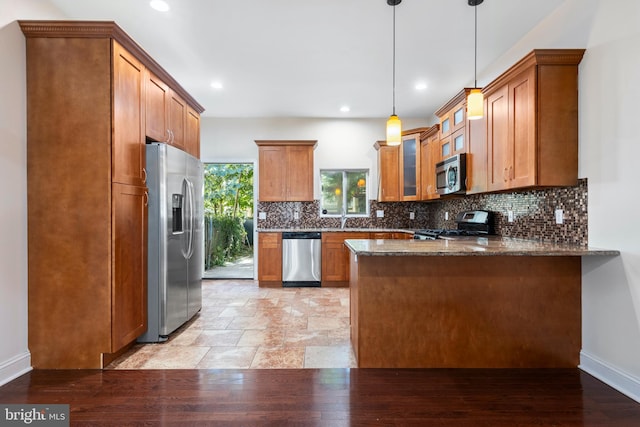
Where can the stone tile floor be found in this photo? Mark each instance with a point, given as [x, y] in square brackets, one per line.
[244, 326]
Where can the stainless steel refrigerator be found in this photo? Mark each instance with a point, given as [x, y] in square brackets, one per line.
[176, 239]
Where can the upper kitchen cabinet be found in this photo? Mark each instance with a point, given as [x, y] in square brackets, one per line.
[429, 156]
[453, 125]
[192, 133]
[388, 172]
[157, 101]
[176, 120]
[532, 122]
[285, 170]
[477, 156]
[410, 164]
[399, 168]
[87, 196]
[128, 115]
[171, 119]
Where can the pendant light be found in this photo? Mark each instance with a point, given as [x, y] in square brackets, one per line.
[475, 99]
[394, 125]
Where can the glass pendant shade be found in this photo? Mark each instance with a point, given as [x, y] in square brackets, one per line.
[475, 104]
[394, 130]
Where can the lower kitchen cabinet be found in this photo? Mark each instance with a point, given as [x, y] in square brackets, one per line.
[335, 257]
[129, 307]
[270, 259]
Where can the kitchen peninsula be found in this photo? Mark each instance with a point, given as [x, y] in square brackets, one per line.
[466, 303]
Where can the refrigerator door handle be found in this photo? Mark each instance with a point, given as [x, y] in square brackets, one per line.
[190, 192]
[185, 238]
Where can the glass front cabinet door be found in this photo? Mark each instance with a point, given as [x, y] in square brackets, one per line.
[410, 166]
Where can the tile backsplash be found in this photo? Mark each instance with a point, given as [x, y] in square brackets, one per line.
[533, 214]
[396, 215]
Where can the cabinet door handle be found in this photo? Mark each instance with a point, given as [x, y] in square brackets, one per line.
[511, 174]
[144, 175]
[146, 198]
[168, 141]
[505, 175]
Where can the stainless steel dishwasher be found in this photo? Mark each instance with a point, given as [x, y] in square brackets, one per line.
[301, 258]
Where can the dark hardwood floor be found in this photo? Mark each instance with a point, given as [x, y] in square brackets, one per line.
[329, 397]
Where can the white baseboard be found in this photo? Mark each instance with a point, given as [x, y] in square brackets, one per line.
[610, 375]
[14, 367]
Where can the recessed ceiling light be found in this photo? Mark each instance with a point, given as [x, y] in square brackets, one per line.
[216, 85]
[345, 109]
[159, 5]
[421, 86]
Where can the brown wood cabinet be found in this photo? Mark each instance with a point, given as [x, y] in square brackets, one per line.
[410, 165]
[192, 133]
[532, 122]
[157, 100]
[285, 170]
[270, 259]
[453, 125]
[169, 118]
[429, 156]
[176, 119]
[335, 268]
[388, 172]
[465, 311]
[87, 197]
[477, 155]
[129, 298]
[128, 116]
[399, 168]
[335, 257]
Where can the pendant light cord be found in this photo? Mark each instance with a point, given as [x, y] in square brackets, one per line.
[394, 60]
[475, 50]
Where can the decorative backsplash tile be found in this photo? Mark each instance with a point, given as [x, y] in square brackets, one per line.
[533, 211]
[396, 215]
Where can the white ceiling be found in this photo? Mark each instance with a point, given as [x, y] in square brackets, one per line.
[307, 58]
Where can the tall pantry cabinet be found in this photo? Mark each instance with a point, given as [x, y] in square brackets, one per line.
[87, 196]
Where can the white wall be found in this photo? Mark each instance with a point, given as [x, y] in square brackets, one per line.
[342, 143]
[14, 354]
[609, 156]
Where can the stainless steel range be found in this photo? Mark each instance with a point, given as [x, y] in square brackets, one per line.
[470, 223]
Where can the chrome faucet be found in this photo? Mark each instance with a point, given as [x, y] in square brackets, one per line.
[343, 217]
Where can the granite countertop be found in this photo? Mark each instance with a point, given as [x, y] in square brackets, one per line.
[470, 246]
[336, 229]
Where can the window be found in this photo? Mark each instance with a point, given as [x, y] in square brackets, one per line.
[344, 188]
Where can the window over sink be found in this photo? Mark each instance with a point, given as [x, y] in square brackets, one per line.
[344, 192]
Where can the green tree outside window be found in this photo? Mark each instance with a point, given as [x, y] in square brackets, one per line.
[344, 188]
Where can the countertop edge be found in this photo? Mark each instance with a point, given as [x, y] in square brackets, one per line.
[471, 247]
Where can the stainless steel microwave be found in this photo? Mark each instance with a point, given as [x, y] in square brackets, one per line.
[451, 175]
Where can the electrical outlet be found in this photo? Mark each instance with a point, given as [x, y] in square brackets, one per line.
[412, 215]
[262, 215]
[559, 216]
[510, 216]
[380, 213]
[296, 215]
[446, 216]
